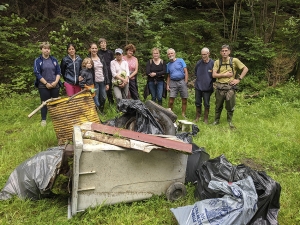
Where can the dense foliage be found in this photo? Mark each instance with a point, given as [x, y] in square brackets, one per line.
[263, 34]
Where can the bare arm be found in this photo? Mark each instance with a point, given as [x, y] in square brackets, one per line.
[186, 75]
[243, 74]
[220, 75]
[168, 82]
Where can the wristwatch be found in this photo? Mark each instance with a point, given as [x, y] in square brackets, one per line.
[240, 78]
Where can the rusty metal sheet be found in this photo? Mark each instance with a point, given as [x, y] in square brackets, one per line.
[120, 132]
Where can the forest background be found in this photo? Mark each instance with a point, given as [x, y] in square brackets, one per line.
[263, 34]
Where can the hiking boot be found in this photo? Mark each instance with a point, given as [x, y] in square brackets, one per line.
[231, 125]
[43, 123]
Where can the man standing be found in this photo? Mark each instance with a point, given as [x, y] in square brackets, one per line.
[203, 84]
[177, 80]
[225, 70]
[108, 56]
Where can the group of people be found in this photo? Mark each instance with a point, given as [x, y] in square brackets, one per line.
[97, 72]
[111, 73]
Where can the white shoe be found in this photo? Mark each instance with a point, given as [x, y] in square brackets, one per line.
[43, 123]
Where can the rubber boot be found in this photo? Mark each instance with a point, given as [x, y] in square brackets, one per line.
[198, 113]
[217, 118]
[206, 112]
[229, 120]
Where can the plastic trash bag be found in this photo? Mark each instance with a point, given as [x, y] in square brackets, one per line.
[188, 136]
[194, 162]
[145, 122]
[268, 190]
[31, 178]
[236, 207]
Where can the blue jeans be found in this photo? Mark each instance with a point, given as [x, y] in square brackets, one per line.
[156, 90]
[206, 98]
[100, 94]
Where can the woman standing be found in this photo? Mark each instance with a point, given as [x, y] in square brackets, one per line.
[70, 67]
[100, 76]
[133, 69]
[156, 70]
[120, 75]
[47, 72]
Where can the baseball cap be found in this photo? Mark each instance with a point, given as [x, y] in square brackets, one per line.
[119, 50]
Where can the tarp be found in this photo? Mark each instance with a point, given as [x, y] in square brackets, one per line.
[31, 178]
[236, 207]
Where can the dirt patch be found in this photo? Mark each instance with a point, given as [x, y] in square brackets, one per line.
[252, 164]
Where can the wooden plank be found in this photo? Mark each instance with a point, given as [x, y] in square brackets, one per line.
[121, 142]
[166, 143]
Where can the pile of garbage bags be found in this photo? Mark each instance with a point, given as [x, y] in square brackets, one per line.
[225, 199]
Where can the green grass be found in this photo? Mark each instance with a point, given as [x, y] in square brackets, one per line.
[267, 137]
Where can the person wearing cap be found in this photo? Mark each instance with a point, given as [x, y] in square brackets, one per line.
[224, 71]
[133, 69]
[120, 75]
[108, 56]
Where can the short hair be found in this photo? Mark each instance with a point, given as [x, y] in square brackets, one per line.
[155, 49]
[86, 61]
[45, 44]
[171, 49]
[205, 49]
[225, 46]
[102, 40]
[130, 47]
[71, 44]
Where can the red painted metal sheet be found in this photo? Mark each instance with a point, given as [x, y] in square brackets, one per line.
[167, 143]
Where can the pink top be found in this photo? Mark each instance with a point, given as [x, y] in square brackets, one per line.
[98, 67]
[132, 62]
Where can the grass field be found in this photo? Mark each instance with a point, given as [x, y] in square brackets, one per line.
[267, 138]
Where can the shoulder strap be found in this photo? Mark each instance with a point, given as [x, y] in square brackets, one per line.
[230, 64]
[220, 64]
[150, 61]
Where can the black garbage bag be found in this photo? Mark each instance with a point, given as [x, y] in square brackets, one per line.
[194, 162]
[144, 120]
[188, 136]
[268, 190]
[33, 178]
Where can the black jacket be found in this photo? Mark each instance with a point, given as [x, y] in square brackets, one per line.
[105, 71]
[108, 56]
[88, 77]
[70, 69]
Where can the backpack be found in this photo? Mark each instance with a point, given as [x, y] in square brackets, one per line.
[230, 64]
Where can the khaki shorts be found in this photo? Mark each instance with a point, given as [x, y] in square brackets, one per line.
[178, 86]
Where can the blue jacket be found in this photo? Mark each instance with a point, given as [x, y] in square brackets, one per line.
[38, 65]
[70, 69]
